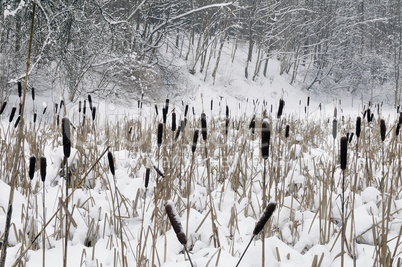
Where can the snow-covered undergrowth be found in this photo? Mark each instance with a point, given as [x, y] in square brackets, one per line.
[215, 187]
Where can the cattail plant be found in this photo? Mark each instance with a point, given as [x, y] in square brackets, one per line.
[176, 224]
[43, 166]
[265, 138]
[269, 210]
[65, 124]
[193, 149]
[344, 156]
[116, 197]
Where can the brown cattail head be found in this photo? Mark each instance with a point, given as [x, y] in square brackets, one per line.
[368, 115]
[160, 132]
[397, 129]
[17, 121]
[204, 126]
[227, 111]
[33, 93]
[147, 172]
[167, 105]
[280, 109]
[212, 103]
[269, 210]
[335, 112]
[61, 104]
[351, 137]
[195, 139]
[164, 113]
[287, 130]
[111, 162]
[334, 128]
[400, 118]
[3, 107]
[90, 101]
[344, 152]
[265, 137]
[183, 124]
[65, 128]
[308, 101]
[32, 163]
[158, 171]
[19, 89]
[84, 109]
[177, 133]
[43, 168]
[175, 221]
[79, 106]
[173, 121]
[19, 108]
[44, 110]
[227, 120]
[383, 129]
[57, 119]
[13, 110]
[358, 126]
[193, 110]
[34, 117]
[186, 111]
[93, 113]
[252, 125]
[56, 107]
[156, 110]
